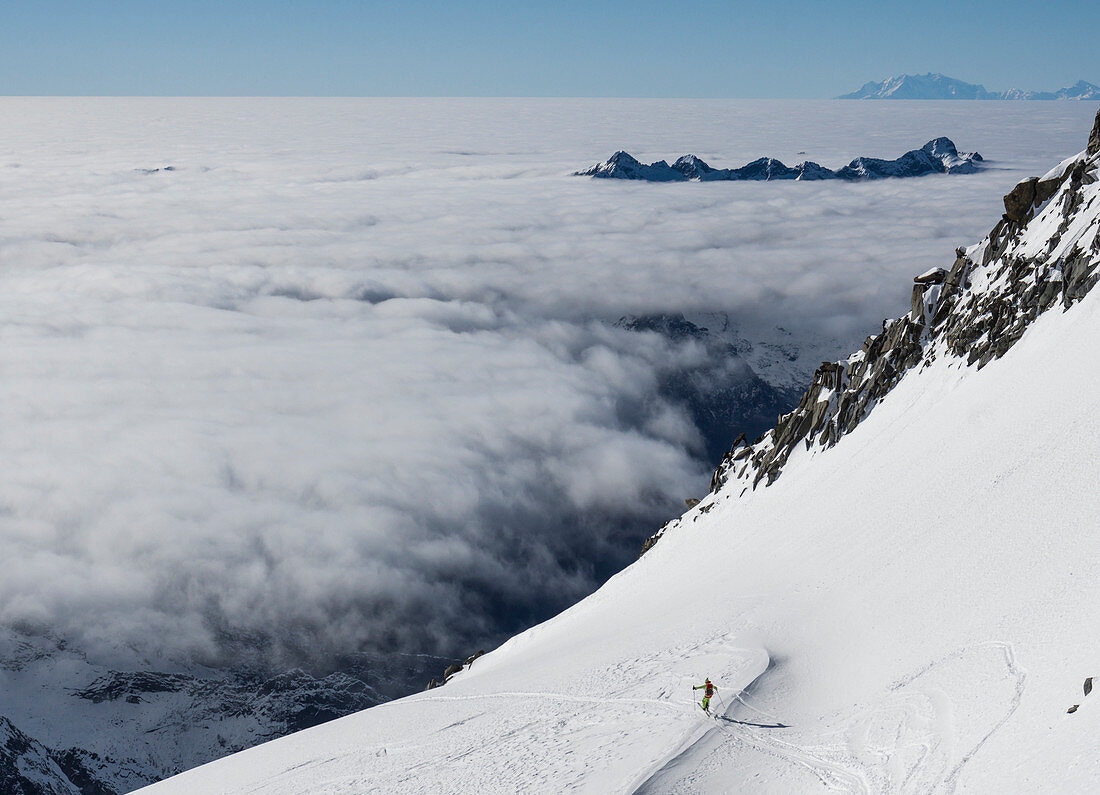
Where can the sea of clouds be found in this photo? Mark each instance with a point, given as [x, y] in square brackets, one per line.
[345, 378]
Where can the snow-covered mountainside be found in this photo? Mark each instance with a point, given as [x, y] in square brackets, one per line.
[937, 86]
[908, 606]
[110, 731]
[29, 768]
[938, 156]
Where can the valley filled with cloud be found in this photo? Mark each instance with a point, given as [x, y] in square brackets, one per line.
[282, 380]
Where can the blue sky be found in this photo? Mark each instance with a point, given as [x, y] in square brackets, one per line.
[789, 48]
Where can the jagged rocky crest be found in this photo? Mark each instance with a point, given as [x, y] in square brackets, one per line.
[1043, 253]
[938, 156]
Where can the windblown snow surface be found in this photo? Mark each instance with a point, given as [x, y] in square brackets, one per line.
[916, 606]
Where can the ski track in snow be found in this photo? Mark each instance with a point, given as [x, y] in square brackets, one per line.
[914, 739]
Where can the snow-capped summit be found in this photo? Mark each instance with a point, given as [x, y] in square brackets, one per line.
[892, 588]
[937, 86]
[1079, 90]
[622, 165]
[926, 86]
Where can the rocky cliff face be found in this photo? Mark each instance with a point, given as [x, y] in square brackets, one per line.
[1043, 255]
[1094, 139]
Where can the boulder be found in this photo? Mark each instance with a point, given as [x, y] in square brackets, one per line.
[1046, 188]
[932, 276]
[1019, 200]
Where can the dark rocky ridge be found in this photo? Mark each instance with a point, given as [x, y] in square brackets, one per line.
[938, 156]
[29, 768]
[1043, 253]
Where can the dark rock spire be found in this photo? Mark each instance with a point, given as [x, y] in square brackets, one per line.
[1094, 139]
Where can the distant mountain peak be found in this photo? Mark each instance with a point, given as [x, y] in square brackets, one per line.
[933, 85]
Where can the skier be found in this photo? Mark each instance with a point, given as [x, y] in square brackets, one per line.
[708, 690]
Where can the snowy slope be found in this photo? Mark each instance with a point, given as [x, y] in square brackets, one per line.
[915, 604]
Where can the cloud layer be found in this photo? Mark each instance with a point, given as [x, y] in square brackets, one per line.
[344, 379]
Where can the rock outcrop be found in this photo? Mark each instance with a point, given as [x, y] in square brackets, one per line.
[453, 669]
[1088, 689]
[1043, 254]
[938, 156]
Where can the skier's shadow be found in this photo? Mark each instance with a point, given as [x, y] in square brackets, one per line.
[750, 723]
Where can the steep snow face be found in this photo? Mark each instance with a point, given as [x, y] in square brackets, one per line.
[908, 610]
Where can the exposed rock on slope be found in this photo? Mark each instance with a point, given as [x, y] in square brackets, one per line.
[938, 156]
[1045, 252]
